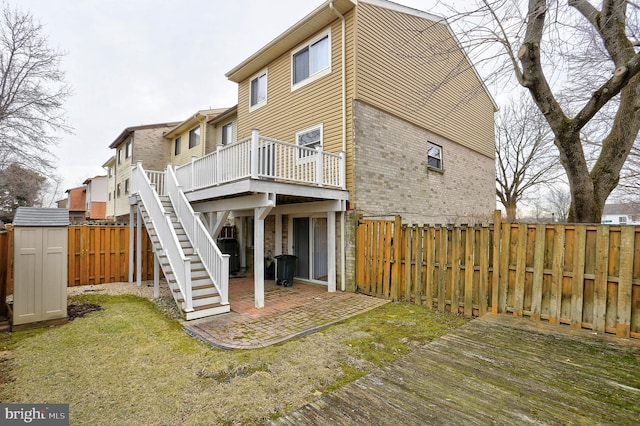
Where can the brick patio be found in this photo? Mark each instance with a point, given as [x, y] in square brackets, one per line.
[289, 312]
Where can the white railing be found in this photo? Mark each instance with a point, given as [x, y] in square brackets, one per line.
[260, 157]
[157, 179]
[215, 263]
[161, 221]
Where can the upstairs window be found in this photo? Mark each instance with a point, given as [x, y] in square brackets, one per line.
[258, 90]
[120, 156]
[127, 149]
[194, 137]
[434, 156]
[311, 61]
[309, 138]
[118, 190]
[176, 147]
[227, 134]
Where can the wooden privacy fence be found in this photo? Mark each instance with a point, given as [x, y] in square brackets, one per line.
[587, 276]
[97, 255]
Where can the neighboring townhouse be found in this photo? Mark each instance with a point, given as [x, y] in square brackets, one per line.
[364, 108]
[201, 133]
[110, 168]
[76, 203]
[621, 214]
[144, 143]
[96, 197]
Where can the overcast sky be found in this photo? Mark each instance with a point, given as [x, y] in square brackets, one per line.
[133, 62]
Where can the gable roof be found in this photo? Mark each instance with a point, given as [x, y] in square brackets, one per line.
[303, 29]
[36, 216]
[319, 19]
[129, 130]
[187, 124]
[620, 208]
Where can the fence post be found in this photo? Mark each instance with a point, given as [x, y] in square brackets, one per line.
[495, 279]
[397, 244]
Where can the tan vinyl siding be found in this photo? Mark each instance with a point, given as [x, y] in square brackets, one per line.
[438, 90]
[186, 153]
[287, 112]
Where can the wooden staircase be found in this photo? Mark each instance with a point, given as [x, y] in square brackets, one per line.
[206, 300]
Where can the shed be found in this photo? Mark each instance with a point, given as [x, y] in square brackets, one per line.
[40, 264]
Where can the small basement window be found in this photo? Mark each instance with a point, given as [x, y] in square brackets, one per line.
[434, 156]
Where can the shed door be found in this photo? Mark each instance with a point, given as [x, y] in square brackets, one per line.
[40, 268]
[54, 270]
[27, 303]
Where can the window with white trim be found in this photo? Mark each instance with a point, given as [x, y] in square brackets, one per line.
[258, 90]
[309, 138]
[126, 186]
[177, 147]
[311, 61]
[194, 137]
[434, 156]
[227, 134]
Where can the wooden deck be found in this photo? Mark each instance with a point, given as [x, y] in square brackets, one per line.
[495, 370]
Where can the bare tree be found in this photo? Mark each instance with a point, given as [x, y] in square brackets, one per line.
[19, 187]
[32, 93]
[525, 156]
[560, 202]
[575, 60]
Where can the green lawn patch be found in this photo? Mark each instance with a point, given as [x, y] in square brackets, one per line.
[128, 363]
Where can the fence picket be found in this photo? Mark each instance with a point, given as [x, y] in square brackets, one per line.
[538, 271]
[577, 284]
[557, 275]
[521, 256]
[601, 273]
[468, 271]
[625, 282]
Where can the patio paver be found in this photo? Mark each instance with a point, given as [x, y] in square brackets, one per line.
[289, 312]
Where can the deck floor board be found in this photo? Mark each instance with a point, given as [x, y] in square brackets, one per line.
[495, 370]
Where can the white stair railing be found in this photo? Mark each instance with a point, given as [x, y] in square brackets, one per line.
[215, 262]
[161, 221]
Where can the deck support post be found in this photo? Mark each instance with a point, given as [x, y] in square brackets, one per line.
[331, 251]
[258, 259]
[139, 248]
[260, 214]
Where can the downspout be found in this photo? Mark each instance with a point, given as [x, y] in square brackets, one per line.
[343, 258]
[344, 78]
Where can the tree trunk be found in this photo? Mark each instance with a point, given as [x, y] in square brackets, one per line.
[511, 211]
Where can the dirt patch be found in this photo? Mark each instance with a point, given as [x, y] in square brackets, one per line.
[78, 310]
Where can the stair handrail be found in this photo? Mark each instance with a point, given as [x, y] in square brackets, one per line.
[179, 263]
[215, 262]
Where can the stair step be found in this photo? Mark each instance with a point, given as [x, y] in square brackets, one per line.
[207, 311]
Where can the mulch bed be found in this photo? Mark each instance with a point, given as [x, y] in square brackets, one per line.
[78, 310]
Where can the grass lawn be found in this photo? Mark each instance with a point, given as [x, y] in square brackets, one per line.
[130, 364]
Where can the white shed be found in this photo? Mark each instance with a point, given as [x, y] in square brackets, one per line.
[40, 264]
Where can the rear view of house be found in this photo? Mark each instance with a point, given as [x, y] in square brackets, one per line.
[367, 108]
